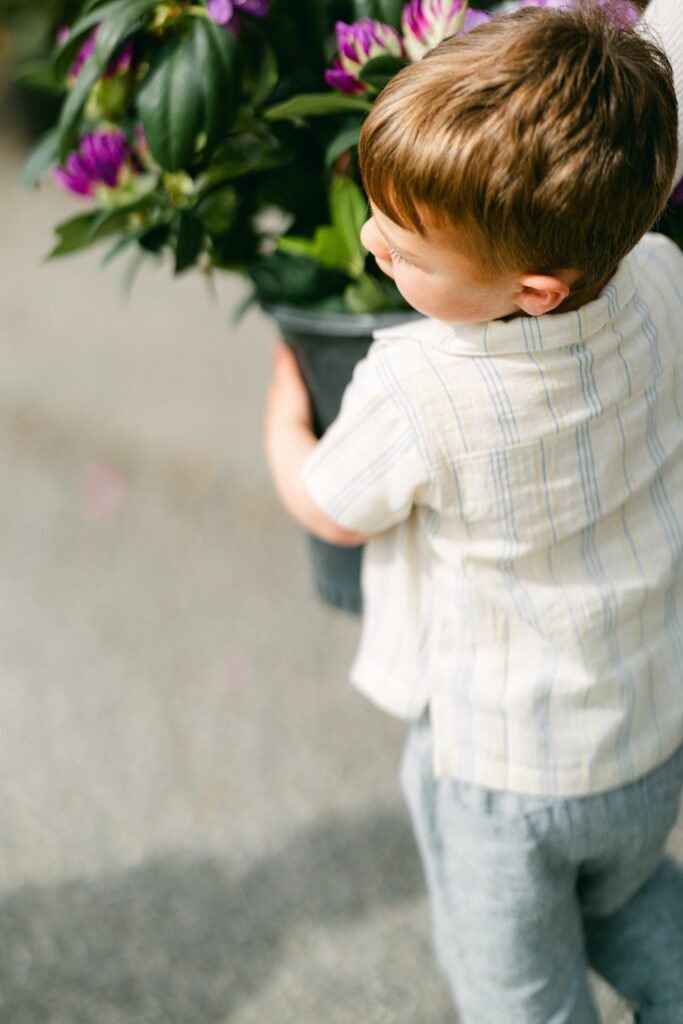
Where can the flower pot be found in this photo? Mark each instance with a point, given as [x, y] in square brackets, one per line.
[327, 348]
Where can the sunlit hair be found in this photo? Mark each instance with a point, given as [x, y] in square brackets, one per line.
[547, 139]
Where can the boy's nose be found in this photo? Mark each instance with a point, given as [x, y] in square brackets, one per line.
[373, 241]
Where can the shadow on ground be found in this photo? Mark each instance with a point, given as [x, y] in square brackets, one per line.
[180, 939]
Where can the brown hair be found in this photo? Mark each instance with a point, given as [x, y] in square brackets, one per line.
[547, 138]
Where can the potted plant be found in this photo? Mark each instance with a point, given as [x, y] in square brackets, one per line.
[223, 134]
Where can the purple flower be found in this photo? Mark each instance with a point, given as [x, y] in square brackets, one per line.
[358, 43]
[117, 66]
[221, 11]
[84, 54]
[427, 22]
[343, 80]
[100, 159]
[677, 194]
[474, 18]
[226, 12]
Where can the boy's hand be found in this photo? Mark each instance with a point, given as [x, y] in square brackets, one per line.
[288, 403]
[288, 441]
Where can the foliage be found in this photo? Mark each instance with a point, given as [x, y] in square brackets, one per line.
[222, 134]
[216, 167]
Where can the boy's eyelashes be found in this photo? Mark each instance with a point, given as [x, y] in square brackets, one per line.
[397, 257]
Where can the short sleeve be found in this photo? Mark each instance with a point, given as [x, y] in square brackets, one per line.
[371, 465]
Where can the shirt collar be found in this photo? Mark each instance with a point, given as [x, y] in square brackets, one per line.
[525, 333]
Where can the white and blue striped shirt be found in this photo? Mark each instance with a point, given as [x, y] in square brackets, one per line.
[523, 481]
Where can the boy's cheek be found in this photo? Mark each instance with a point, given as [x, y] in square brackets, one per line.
[386, 266]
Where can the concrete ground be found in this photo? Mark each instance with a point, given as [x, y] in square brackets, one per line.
[201, 821]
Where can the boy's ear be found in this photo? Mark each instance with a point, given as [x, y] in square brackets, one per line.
[540, 293]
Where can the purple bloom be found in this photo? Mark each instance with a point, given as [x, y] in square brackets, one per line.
[221, 11]
[358, 43]
[226, 12]
[343, 80]
[474, 18]
[100, 159]
[84, 54]
[427, 22]
[118, 65]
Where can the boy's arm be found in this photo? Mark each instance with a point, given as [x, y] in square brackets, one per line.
[288, 441]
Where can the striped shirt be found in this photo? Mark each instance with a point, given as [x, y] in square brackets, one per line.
[523, 482]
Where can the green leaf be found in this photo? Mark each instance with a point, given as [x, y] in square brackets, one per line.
[380, 70]
[284, 278]
[327, 248]
[313, 104]
[216, 53]
[189, 242]
[336, 246]
[90, 5]
[365, 295]
[349, 211]
[191, 91]
[296, 246]
[217, 209]
[88, 228]
[154, 239]
[346, 139]
[74, 234]
[66, 52]
[75, 101]
[121, 245]
[40, 159]
[113, 32]
[171, 104]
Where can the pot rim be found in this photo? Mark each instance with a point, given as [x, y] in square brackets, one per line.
[350, 325]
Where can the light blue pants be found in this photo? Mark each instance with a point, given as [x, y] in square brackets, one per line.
[527, 892]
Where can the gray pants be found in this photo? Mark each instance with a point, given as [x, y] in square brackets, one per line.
[527, 892]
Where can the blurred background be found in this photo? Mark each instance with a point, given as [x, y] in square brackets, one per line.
[201, 821]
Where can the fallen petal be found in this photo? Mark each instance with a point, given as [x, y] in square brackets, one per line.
[105, 491]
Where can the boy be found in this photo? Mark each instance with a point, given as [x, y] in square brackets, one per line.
[515, 463]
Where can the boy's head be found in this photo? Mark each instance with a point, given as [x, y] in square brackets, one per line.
[517, 164]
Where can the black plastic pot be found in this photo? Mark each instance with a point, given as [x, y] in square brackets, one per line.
[327, 348]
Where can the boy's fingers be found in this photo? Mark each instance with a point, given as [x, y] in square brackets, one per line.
[285, 364]
[283, 355]
[288, 397]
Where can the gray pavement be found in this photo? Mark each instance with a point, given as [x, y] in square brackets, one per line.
[201, 821]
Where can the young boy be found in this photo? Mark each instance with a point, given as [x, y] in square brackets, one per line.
[515, 463]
